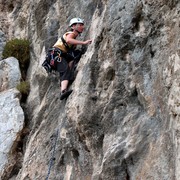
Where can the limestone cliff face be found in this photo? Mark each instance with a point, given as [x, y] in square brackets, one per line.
[11, 117]
[122, 120]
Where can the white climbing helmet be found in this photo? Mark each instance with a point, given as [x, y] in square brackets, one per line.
[76, 20]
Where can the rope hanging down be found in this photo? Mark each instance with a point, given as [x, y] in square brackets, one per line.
[53, 154]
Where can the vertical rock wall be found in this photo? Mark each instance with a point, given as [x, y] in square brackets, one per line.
[11, 117]
[121, 121]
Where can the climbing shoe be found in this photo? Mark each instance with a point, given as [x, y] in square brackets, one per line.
[65, 94]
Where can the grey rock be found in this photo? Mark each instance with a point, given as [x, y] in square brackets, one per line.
[122, 119]
[2, 43]
[11, 124]
[10, 73]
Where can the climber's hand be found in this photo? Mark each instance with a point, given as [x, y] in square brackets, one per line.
[88, 42]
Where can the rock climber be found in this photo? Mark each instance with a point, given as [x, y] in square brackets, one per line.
[67, 45]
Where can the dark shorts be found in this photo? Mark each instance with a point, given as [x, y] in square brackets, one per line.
[64, 70]
[62, 65]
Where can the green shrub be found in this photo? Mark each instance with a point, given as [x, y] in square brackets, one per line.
[24, 87]
[20, 49]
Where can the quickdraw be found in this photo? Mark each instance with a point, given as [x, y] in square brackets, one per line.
[52, 58]
[52, 61]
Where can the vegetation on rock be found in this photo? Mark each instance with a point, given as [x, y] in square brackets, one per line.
[20, 49]
[24, 88]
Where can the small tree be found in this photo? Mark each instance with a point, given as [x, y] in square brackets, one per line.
[20, 49]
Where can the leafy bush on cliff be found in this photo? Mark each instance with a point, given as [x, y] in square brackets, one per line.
[24, 88]
[20, 49]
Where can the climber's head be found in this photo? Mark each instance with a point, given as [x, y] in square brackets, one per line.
[77, 24]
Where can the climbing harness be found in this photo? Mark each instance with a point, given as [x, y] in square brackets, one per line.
[53, 57]
[57, 58]
[53, 154]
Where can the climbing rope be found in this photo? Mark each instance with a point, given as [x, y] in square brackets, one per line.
[53, 154]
